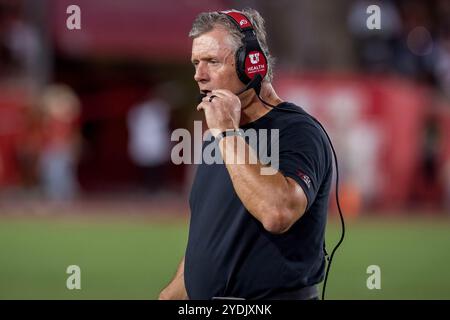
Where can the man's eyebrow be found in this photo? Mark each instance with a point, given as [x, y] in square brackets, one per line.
[206, 58]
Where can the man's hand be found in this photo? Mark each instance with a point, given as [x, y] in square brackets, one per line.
[222, 110]
[174, 291]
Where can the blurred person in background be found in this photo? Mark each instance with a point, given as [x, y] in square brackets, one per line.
[149, 139]
[20, 45]
[252, 236]
[428, 171]
[60, 108]
[442, 65]
[28, 149]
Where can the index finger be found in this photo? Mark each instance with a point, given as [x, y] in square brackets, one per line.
[222, 93]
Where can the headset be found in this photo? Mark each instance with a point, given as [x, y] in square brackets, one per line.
[251, 68]
[250, 60]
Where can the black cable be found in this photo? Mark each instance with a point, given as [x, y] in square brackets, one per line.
[330, 258]
[339, 209]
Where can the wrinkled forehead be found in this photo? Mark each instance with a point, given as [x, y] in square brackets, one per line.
[215, 42]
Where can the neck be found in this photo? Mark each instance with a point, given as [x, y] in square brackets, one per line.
[253, 108]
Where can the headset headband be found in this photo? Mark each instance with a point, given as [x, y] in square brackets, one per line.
[239, 19]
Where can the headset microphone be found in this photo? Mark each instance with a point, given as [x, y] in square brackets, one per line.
[200, 97]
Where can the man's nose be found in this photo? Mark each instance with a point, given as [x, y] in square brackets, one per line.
[201, 72]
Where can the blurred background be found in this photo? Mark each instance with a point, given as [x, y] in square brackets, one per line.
[86, 117]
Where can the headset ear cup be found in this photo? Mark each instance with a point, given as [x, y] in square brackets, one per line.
[240, 65]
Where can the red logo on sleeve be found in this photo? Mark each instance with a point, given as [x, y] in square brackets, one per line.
[305, 178]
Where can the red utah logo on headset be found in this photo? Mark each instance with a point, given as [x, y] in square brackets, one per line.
[243, 23]
[255, 63]
[254, 58]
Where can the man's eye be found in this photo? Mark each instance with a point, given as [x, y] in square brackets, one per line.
[214, 62]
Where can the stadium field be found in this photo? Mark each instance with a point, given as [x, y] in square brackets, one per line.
[133, 258]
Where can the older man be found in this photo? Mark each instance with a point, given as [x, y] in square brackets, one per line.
[252, 235]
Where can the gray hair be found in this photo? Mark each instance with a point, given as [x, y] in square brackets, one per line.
[206, 21]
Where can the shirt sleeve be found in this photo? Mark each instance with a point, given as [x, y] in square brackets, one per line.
[304, 157]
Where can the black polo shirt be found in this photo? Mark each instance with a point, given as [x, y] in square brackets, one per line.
[229, 253]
